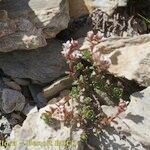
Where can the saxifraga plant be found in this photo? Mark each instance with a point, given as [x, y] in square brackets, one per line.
[87, 66]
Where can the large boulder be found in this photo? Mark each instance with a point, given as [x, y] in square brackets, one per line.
[26, 24]
[130, 57]
[41, 65]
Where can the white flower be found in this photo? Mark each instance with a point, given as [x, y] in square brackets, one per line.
[66, 48]
[76, 54]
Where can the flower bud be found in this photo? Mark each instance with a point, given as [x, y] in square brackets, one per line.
[90, 35]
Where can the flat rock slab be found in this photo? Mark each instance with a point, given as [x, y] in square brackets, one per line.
[110, 139]
[134, 122]
[42, 65]
[57, 87]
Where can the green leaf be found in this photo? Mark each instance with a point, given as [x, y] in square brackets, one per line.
[75, 92]
[86, 55]
[87, 100]
[99, 86]
[146, 19]
[83, 137]
[79, 66]
[81, 78]
[117, 92]
[45, 117]
[87, 113]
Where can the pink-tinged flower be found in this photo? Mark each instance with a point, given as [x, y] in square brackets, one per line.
[69, 48]
[98, 36]
[90, 35]
[74, 43]
[122, 106]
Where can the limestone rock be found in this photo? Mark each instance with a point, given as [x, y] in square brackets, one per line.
[130, 57]
[134, 122]
[11, 100]
[42, 65]
[47, 137]
[110, 139]
[80, 8]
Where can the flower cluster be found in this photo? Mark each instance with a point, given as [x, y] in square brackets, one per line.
[70, 50]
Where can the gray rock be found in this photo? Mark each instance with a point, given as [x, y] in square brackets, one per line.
[37, 95]
[42, 65]
[20, 34]
[132, 59]
[57, 87]
[134, 122]
[64, 93]
[13, 85]
[12, 100]
[25, 25]
[22, 82]
[41, 99]
[29, 109]
[15, 119]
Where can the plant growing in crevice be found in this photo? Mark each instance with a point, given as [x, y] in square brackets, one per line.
[87, 66]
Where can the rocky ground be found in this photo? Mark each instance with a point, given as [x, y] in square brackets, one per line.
[32, 71]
